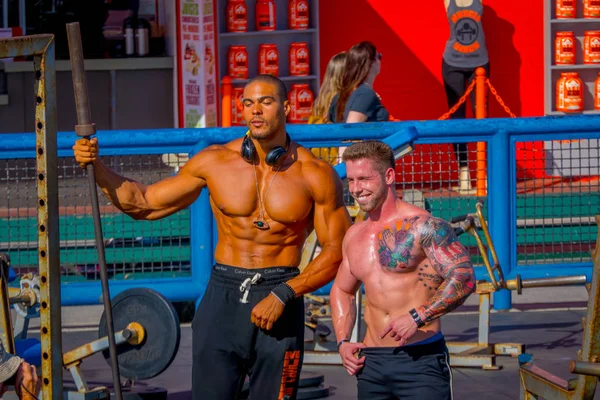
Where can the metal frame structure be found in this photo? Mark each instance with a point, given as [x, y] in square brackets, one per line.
[501, 134]
[538, 383]
[41, 47]
[483, 353]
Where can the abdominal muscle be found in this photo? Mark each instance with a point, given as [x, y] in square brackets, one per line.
[242, 245]
[390, 298]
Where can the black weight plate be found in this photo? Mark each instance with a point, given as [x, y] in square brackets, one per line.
[322, 330]
[162, 332]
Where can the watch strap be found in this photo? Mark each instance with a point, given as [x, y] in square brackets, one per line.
[416, 318]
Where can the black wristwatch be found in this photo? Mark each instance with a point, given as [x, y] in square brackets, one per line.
[416, 317]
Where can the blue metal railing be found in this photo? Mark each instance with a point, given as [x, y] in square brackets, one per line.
[499, 134]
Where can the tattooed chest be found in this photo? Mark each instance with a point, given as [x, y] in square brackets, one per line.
[428, 278]
[397, 248]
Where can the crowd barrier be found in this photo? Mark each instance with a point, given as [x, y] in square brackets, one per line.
[541, 197]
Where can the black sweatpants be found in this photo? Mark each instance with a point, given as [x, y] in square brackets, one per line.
[227, 346]
[415, 372]
[456, 81]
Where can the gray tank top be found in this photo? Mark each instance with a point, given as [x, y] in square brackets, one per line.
[466, 47]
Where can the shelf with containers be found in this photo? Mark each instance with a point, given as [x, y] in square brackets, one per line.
[563, 18]
[282, 38]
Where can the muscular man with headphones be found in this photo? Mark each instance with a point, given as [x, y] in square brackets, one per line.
[267, 194]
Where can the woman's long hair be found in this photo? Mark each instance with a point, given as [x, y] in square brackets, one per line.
[332, 84]
[358, 64]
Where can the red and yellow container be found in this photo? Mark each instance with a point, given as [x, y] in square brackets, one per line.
[591, 47]
[591, 8]
[237, 16]
[237, 109]
[566, 9]
[299, 60]
[597, 93]
[266, 15]
[564, 48]
[301, 103]
[298, 14]
[268, 59]
[569, 92]
[238, 62]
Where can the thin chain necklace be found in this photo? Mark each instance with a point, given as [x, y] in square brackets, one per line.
[260, 222]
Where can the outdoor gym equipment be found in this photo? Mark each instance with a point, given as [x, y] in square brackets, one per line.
[483, 353]
[539, 383]
[140, 347]
[147, 337]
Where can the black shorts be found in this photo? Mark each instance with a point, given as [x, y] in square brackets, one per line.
[227, 346]
[420, 371]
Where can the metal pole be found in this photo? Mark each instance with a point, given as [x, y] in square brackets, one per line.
[48, 226]
[557, 281]
[6, 320]
[22, 17]
[113, 99]
[5, 13]
[86, 128]
[481, 113]
[499, 220]
[584, 368]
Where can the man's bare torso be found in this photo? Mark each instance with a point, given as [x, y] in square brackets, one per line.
[388, 258]
[288, 206]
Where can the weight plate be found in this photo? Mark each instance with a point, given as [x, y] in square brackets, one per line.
[162, 333]
[32, 284]
[322, 330]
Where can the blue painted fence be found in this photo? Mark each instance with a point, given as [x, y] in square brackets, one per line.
[499, 134]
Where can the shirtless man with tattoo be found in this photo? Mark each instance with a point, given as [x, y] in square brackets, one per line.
[414, 270]
[267, 194]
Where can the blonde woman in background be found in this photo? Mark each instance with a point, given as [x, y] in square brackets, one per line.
[330, 87]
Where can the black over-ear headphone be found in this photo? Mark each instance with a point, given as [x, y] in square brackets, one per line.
[273, 157]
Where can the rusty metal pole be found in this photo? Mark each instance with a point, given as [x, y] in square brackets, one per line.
[590, 345]
[6, 320]
[584, 368]
[48, 222]
[85, 128]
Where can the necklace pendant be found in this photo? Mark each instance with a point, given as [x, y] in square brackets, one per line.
[262, 225]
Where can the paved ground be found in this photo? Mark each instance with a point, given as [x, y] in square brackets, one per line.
[552, 337]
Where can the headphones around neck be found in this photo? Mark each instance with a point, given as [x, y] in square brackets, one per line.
[273, 157]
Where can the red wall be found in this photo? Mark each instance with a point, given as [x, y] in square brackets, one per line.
[412, 37]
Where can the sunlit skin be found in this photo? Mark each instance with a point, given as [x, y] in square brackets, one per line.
[461, 3]
[27, 383]
[306, 195]
[405, 258]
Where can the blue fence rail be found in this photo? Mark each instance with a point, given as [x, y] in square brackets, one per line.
[501, 136]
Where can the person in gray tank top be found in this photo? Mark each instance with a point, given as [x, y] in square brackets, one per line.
[465, 51]
[466, 47]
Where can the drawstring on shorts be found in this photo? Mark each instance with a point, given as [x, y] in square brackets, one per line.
[245, 287]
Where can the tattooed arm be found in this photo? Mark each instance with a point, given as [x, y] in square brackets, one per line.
[450, 259]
